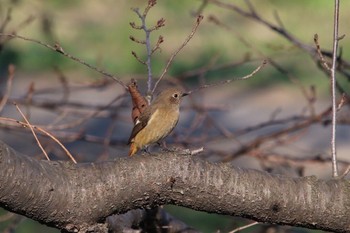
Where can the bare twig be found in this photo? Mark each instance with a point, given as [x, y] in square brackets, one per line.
[33, 132]
[137, 58]
[200, 9]
[252, 14]
[147, 41]
[11, 74]
[7, 20]
[244, 227]
[281, 30]
[278, 19]
[309, 97]
[333, 85]
[6, 216]
[24, 23]
[189, 37]
[319, 52]
[345, 173]
[209, 68]
[342, 101]
[230, 80]
[42, 131]
[60, 50]
[258, 141]
[157, 46]
[132, 38]
[82, 119]
[191, 152]
[64, 82]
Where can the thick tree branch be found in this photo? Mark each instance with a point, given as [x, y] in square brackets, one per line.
[76, 197]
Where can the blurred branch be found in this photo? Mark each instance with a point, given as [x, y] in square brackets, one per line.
[310, 97]
[253, 14]
[43, 131]
[6, 216]
[210, 68]
[6, 21]
[244, 227]
[319, 52]
[33, 132]
[5, 96]
[60, 50]
[261, 139]
[230, 80]
[281, 30]
[147, 41]
[189, 37]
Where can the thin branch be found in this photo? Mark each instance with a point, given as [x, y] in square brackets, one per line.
[206, 68]
[42, 131]
[309, 97]
[253, 15]
[260, 140]
[230, 80]
[137, 58]
[319, 52]
[244, 227]
[7, 216]
[157, 46]
[345, 173]
[189, 37]
[343, 64]
[200, 9]
[278, 19]
[60, 50]
[188, 151]
[333, 86]
[7, 20]
[147, 41]
[24, 23]
[132, 38]
[5, 97]
[342, 101]
[64, 83]
[85, 118]
[33, 132]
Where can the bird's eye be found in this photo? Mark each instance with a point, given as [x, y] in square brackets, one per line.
[175, 95]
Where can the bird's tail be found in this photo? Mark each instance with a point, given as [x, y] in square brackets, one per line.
[133, 149]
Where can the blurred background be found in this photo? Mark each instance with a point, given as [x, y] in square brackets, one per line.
[57, 92]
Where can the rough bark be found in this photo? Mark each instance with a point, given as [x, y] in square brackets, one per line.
[77, 197]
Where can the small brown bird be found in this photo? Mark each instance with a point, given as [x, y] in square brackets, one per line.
[157, 120]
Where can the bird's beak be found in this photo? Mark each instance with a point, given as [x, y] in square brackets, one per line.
[184, 94]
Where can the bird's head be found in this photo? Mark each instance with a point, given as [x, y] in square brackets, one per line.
[171, 96]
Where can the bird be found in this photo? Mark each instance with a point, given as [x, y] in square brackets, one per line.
[157, 120]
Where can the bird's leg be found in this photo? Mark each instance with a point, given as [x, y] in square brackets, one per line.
[162, 144]
[147, 150]
[164, 147]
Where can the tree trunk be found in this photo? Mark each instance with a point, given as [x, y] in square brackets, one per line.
[79, 197]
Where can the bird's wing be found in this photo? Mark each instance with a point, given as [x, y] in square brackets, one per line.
[140, 123]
